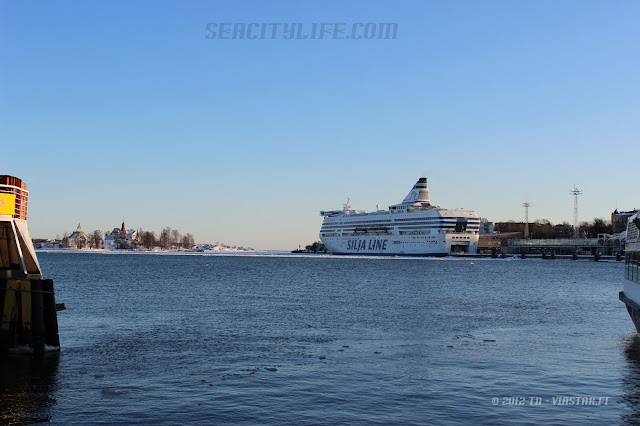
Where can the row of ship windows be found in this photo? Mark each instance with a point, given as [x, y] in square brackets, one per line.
[631, 261]
[405, 228]
[440, 218]
[403, 225]
[449, 226]
[351, 225]
[439, 231]
[337, 234]
[427, 239]
[407, 242]
[435, 239]
[380, 222]
[416, 218]
[387, 220]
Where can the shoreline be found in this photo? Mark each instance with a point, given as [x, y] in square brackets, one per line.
[279, 253]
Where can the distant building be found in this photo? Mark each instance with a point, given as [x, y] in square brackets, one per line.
[78, 239]
[619, 220]
[537, 229]
[495, 240]
[563, 230]
[47, 243]
[486, 227]
[121, 238]
[511, 226]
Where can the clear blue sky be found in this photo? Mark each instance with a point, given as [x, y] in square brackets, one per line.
[125, 110]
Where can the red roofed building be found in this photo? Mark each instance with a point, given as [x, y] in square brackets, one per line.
[120, 238]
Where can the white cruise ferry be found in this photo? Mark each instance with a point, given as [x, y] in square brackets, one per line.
[631, 291]
[414, 227]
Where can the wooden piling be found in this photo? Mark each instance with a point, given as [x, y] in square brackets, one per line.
[24, 335]
[37, 317]
[28, 312]
[51, 337]
[8, 328]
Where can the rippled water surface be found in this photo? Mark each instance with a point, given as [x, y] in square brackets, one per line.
[264, 339]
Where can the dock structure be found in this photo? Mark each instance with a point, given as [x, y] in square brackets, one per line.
[27, 301]
[604, 245]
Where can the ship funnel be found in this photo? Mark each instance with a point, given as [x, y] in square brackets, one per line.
[419, 193]
[17, 255]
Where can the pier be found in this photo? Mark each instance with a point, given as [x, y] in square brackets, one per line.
[604, 247]
[27, 301]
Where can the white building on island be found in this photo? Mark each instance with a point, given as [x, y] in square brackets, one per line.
[121, 238]
[78, 239]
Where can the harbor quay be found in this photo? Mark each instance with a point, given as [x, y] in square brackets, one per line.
[597, 248]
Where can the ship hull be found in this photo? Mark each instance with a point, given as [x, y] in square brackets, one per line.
[633, 309]
[391, 245]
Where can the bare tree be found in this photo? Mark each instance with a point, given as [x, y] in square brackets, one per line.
[597, 226]
[96, 238]
[175, 237]
[165, 239]
[188, 241]
[149, 239]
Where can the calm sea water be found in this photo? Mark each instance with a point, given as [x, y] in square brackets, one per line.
[272, 340]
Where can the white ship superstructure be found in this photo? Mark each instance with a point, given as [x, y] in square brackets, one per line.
[631, 291]
[413, 227]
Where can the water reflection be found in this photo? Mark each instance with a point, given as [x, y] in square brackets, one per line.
[631, 378]
[27, 385]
